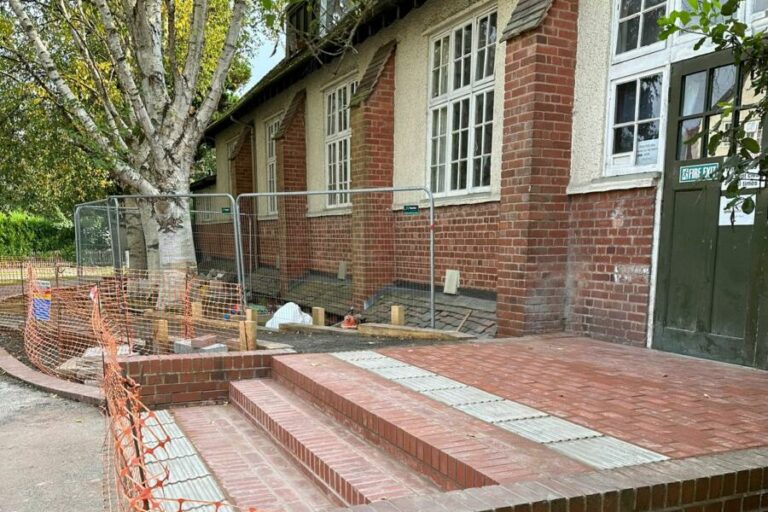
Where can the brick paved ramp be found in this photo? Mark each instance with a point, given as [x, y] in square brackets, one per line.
[675, 405]
[550, 423]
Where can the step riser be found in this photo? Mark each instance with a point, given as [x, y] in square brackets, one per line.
[445, 471]
[321, 475]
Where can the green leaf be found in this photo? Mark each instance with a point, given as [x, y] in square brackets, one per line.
[748, 206]
[729, 7]
[750, 145]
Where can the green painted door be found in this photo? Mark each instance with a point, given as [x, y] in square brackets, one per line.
[712, 293]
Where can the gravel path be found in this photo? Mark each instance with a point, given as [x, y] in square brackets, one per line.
[51, 451]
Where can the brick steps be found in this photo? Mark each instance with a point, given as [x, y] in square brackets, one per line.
[245, 461]
[453, 449]
[344, 465]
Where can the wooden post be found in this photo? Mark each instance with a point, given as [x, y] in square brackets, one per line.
[398, 315]
[197, 310]
[247, 335]
[249, 314]
[318, 316]
[160, 335]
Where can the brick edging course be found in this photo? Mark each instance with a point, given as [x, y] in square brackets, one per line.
[67, 389]
[733, 481]
[191, 379]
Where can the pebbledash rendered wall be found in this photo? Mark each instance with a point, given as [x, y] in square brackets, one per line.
[555, 259]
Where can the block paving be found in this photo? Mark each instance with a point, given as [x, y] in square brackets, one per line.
[674, 405]
[324, 433]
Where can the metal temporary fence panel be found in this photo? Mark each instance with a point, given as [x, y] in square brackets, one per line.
[365, 249]
[214, 224]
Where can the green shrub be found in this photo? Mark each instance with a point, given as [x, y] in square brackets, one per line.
[22, 235]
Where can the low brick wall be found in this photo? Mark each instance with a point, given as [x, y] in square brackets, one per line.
[735, 481]
[186, 379]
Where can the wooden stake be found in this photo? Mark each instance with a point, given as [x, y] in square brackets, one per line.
[197, 310]
[398, 315]
[249, 314]
[318, 316]
[160, 334]
[248, 335]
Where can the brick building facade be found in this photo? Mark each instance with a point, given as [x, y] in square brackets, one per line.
[493, 106]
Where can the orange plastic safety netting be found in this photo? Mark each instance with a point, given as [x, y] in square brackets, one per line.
[137, 442]
[155, 313]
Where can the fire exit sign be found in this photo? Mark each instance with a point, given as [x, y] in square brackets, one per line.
[699, 172]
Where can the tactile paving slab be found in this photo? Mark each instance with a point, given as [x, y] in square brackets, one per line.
[430, 383]
[401, 372]
[462, 396]
[548, 429]
[505, 410]
[607, 452]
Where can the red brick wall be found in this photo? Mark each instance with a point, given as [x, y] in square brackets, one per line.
[330, 240]
[242, 165]
[535, 168]
[611, 235]
[214, 239]
[268, 242]
[292, 222]
[372, 165]
[466, 239]
[193, 378]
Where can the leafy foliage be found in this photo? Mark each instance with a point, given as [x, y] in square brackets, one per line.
[22, 234]
[716, 23]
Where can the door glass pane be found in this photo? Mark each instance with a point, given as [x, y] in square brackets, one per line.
[724, 146]
[748, 95]
[625, 102]
[753, 128]
[623, 139]
[647, 143]
[694, 89]
[651, 27]
[650, 97]
[723, 85]
[628, 32]
[688, 129]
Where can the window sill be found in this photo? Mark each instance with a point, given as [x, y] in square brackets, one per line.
[267, 217]
[331, 212]
[482, 197]
[610, 183]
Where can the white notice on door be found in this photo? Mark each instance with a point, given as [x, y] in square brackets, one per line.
[739, 217]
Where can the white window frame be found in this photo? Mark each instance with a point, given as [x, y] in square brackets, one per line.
[755, 17]
[325, 25]
[640, 50]
[271, 126]
[631, 167]
[338, 140]
[453, 97]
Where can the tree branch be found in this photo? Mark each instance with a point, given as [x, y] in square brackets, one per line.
[211, 101]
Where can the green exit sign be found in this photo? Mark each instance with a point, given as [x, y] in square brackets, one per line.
[411, 209]
[699, 172]
[226, 210]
